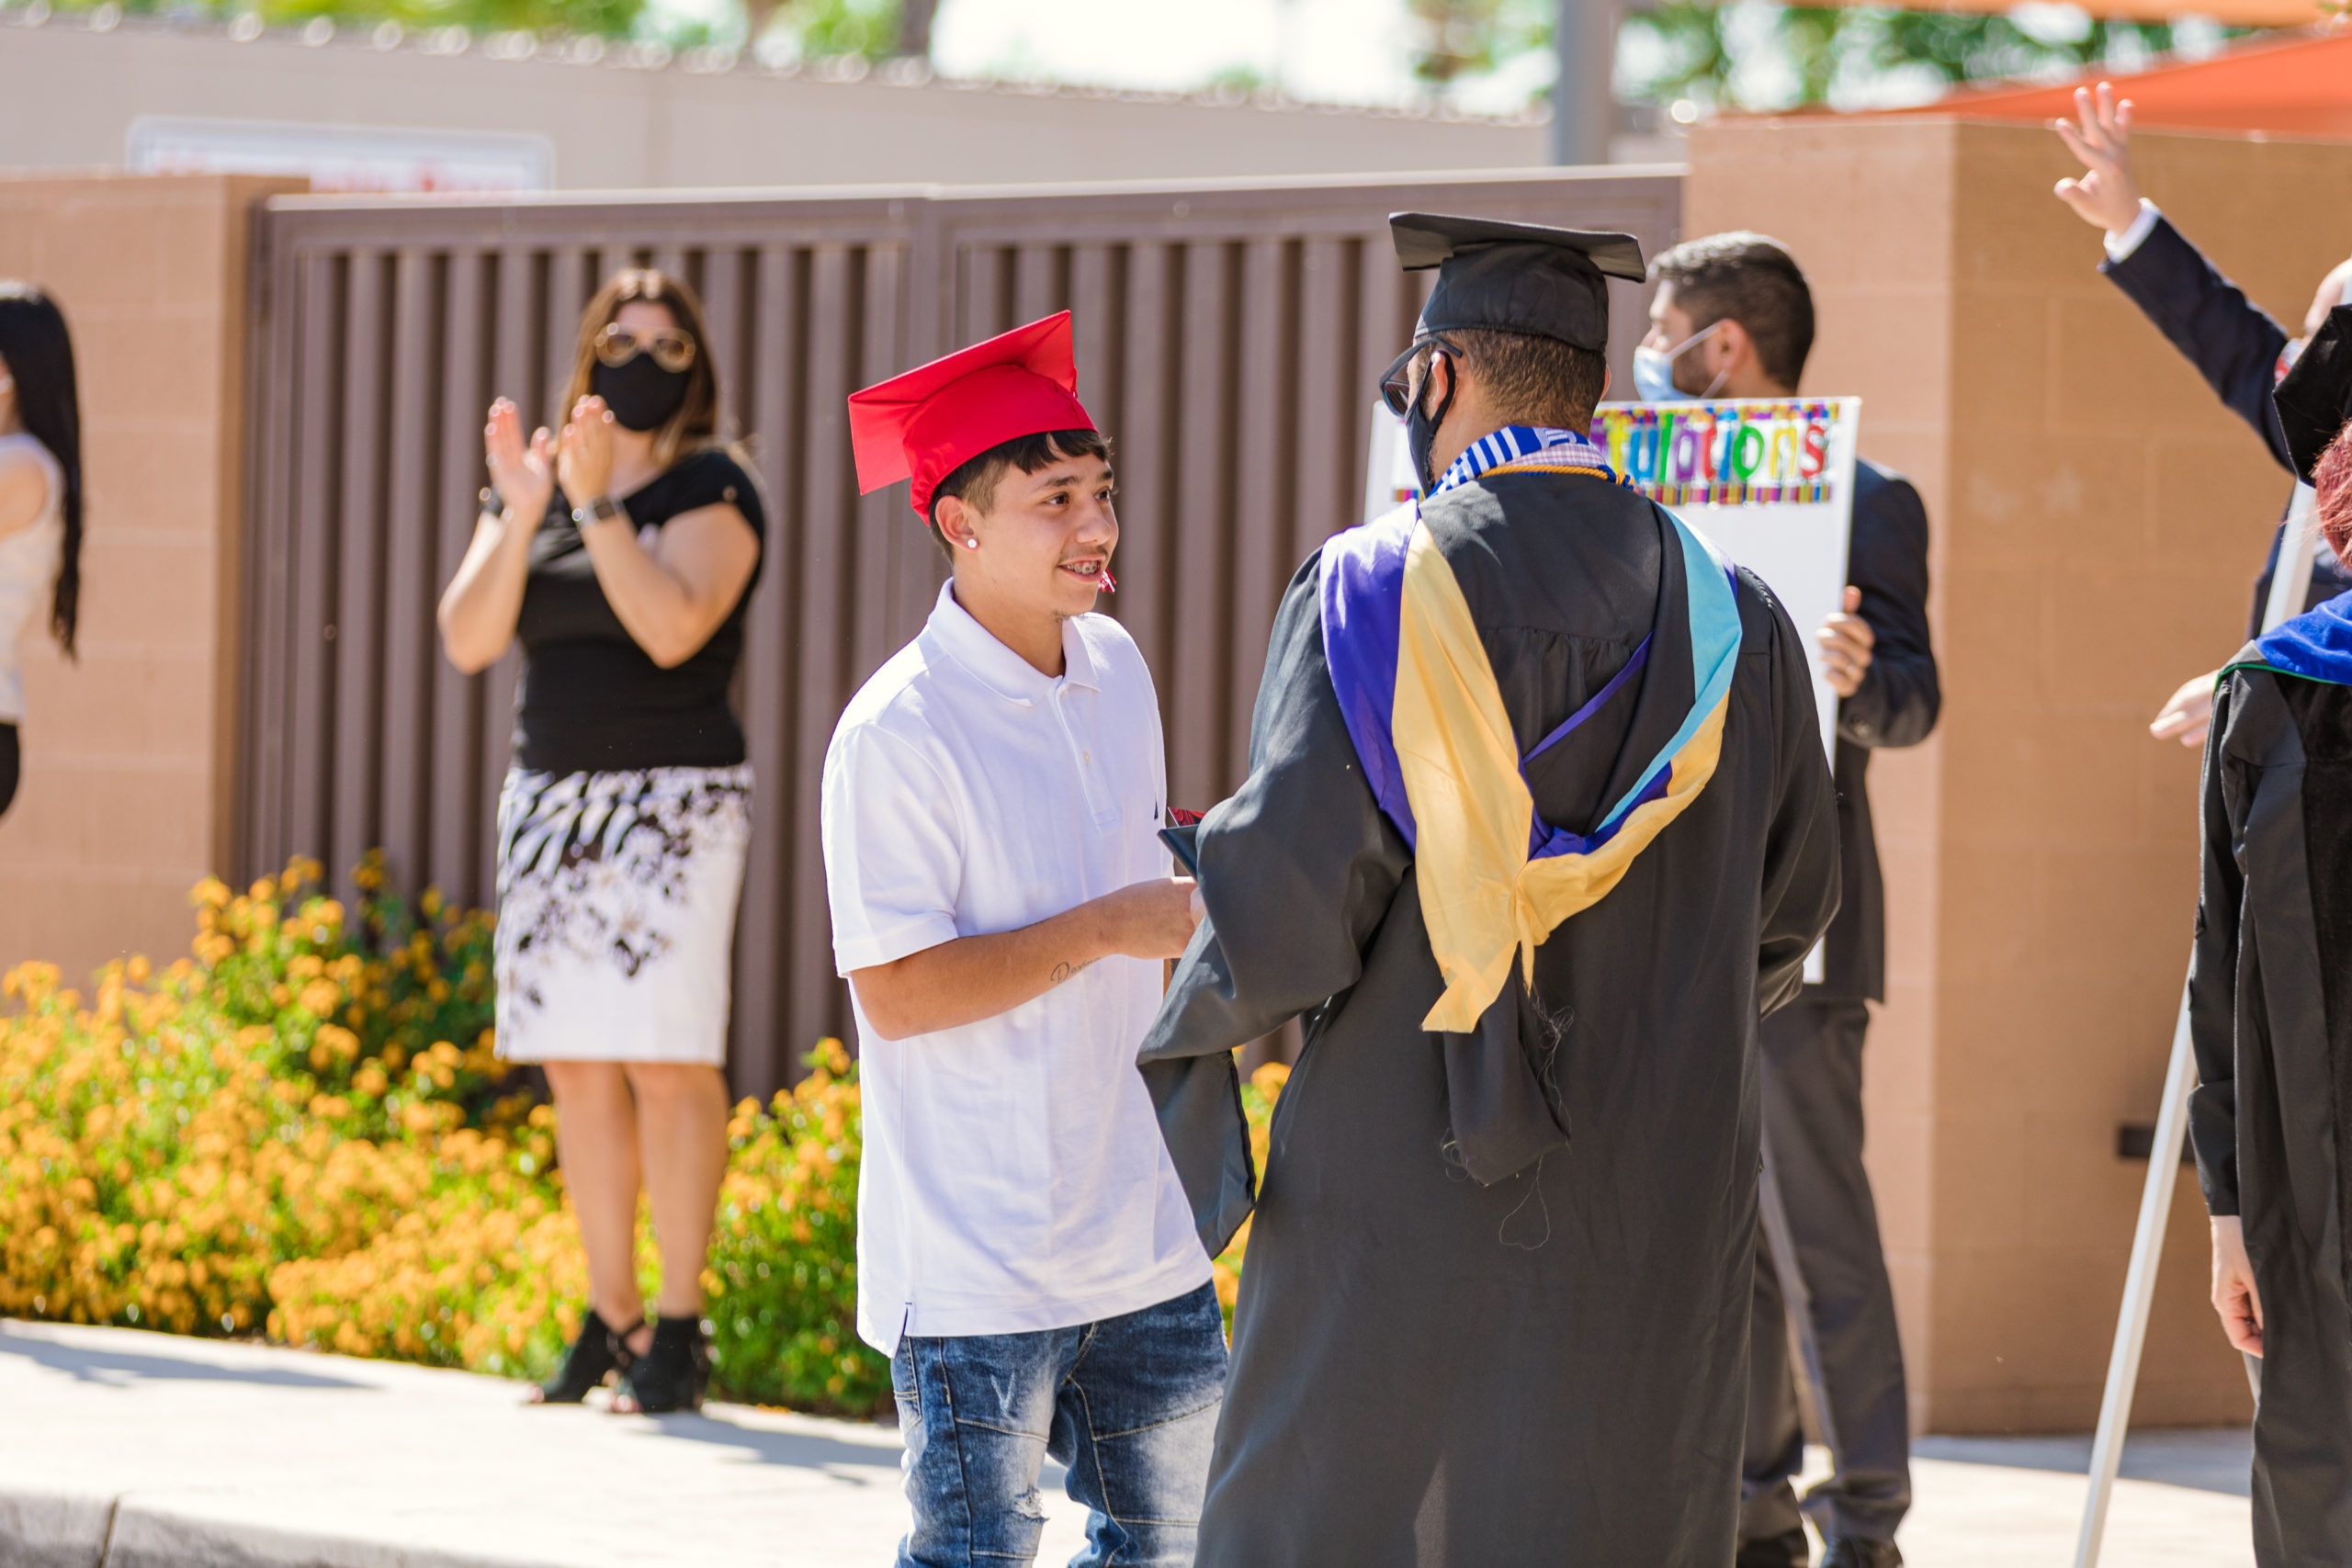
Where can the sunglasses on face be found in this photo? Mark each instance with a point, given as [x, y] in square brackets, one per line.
[1396, 382]
[616, 345]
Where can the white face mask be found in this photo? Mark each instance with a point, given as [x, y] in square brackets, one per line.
[1654, 370]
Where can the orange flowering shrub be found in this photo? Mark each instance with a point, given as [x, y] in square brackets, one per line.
[781, 1289]
[1260, 1090]
[484, 1272]
[169, 1140]
[303, 1129]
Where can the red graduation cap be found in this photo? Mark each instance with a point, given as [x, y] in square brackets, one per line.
[926, 424]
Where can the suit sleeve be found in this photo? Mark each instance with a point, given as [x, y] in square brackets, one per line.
[1899, 698]
[2213, 973]
[1799, 892]
[1296, 870]
[2232, 341]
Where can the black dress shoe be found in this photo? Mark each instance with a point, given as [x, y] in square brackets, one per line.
[595, 1353]
[1790, 1551]
[1854, 1551]
[671, 1374]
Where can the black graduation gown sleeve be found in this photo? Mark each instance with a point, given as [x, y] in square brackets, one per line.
[1898, 701]
[2213, 976]
[1801, 880]
[1296, 870]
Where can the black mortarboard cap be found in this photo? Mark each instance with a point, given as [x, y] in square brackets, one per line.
[2315, 399]
[1516, 277]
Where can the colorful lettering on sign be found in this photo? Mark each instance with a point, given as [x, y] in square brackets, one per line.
[1727, 454]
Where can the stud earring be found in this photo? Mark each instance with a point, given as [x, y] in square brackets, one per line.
[971, 544]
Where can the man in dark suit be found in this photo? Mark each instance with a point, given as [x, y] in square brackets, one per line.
[1733, 317]
[2235, 343]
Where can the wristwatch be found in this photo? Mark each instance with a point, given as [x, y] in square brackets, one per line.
[603, 509]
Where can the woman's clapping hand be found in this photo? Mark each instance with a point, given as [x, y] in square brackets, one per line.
[584, 453]
[523, 473]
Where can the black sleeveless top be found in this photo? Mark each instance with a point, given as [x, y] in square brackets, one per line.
[590, 699]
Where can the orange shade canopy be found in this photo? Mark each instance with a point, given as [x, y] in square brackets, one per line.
[2298, 86]
[2231, 13]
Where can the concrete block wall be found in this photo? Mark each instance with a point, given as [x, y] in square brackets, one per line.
[71, 93]
[2097, 523]
[129, 751]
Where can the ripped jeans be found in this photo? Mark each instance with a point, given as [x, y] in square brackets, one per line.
[1128, 1403]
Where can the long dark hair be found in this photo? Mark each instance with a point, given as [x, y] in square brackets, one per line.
[40, 355]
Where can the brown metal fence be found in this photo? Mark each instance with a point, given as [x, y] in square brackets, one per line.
[1227, 337]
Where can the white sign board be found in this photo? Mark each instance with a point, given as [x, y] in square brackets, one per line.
[1771, 482]
[367, 159]
[1388, 481]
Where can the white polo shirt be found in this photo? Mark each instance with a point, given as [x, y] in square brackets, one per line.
[1014, 1177]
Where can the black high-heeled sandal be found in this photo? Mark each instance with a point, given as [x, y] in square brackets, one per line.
[596, 1351]
[671, 1374]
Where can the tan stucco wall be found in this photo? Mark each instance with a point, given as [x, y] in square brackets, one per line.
[68, 97]
[2098, 522]
[129, 753]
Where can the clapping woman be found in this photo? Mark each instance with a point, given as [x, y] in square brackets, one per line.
[40, 495]
[620, 552]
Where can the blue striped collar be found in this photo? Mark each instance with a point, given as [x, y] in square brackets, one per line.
[1519, 442]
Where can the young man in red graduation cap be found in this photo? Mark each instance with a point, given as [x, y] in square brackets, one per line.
[1001, 909]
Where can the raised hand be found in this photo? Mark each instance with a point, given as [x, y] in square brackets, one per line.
[2105, 195]
[584, 453]
[523, 473]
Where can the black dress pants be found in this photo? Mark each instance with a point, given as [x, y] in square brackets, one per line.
[11, 761]
[1819, 1263]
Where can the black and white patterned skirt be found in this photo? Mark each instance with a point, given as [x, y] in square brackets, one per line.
[617, 896]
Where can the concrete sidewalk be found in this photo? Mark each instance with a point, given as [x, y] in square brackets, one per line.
[121, 1449]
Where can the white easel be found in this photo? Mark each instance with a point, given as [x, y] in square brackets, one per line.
[2290, 586]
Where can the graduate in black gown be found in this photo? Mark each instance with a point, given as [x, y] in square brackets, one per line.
[2270, 1011]
[1537, 825]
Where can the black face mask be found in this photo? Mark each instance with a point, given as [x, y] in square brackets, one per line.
[1421, 426]
[641, 394]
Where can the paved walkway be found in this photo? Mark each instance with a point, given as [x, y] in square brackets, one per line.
[121, 1449]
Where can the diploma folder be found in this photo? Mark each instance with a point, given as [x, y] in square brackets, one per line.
[1183, 843]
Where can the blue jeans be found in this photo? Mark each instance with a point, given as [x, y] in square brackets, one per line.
[1129, 1405]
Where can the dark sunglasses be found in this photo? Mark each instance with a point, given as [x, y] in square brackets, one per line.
[1397, 383]
[616, 345]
